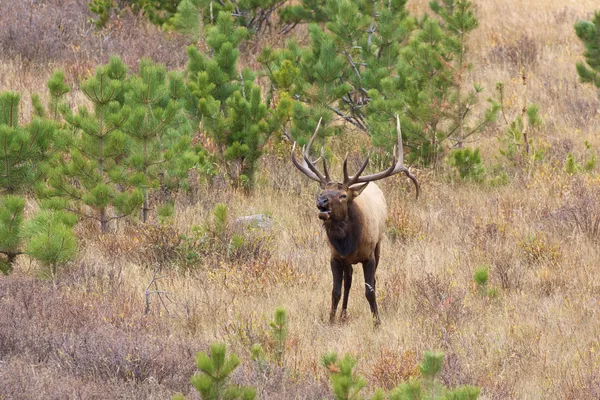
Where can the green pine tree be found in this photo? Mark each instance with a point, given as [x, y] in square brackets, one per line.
[161, 152]
[26, 158]
[429, 387]
[213, 381]
[229, 102]
[306, 11]
[433, 68]
[50, 239]
[279, 332]
[94, 174]
[342, 73]
[589, 33]
[254, 15]
[346, 385]
[11, 221]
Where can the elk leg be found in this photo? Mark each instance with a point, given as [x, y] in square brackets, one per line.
[337, 269]
[377, 252]
[369, 271]
[347, 286]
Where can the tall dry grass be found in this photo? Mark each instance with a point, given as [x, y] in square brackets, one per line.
[538, 339]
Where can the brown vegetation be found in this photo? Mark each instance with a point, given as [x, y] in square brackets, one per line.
[88, 337]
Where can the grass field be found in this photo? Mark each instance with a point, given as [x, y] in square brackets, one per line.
[538, 338]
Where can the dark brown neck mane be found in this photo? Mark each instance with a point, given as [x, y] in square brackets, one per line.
[345, 235]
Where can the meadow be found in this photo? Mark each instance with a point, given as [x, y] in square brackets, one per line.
[536, 337]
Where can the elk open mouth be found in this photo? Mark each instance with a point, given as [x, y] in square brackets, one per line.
[324, 213]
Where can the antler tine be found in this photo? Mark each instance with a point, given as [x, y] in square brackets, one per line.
[303, 167]
[352, 180]
[308, 166]
[345, 169]
[397, 164]
[308, 161]
[325, 169]
[312, 139]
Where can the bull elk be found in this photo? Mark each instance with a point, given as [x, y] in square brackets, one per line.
[354, 215]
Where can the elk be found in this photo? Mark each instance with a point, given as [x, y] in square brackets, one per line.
[354, 215]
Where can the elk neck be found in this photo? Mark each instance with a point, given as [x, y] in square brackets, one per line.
[345, 235]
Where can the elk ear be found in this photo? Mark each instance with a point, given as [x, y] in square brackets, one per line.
[357, 189]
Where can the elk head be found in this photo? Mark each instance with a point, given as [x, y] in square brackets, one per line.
[333, 200]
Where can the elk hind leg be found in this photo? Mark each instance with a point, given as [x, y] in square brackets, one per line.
[369, 268]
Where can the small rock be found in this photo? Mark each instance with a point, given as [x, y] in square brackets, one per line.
[258, 220]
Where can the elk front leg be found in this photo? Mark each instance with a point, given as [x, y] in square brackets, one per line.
[337, 269]
[369, 268]
[347, 286]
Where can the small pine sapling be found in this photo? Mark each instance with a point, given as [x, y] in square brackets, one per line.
[517, 141]
[481, 278]
[26, 158]
[346, 384]
[213, 382]
[279, 331]
[468, 164]
[589, 33]
[11, 220]
[429, 387]
[51, 239]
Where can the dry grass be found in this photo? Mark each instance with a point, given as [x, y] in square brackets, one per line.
[88, 338]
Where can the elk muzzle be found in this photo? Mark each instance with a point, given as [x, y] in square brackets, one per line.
[324, 208]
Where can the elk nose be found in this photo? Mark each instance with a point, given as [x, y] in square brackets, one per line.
[322, 202]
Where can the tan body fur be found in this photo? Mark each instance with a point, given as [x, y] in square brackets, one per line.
[372, 207]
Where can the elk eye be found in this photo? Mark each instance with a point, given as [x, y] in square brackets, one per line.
[343, 196]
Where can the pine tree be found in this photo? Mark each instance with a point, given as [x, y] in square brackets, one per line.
[433, 68]
[589, 33]
[254, 15]
[429, 387]
[279, 332]
[26, 155]
[94, 175]
[346, 385]
[344, 70]
[229, 103]
[50, 238]
[11, 221]
[213, 382]
[161, 152]
[306, 11]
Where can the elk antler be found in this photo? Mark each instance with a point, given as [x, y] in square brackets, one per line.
[308, 167]
[396, 167]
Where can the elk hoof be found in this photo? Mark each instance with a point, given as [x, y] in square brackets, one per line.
[332, 317]
[344, 316]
